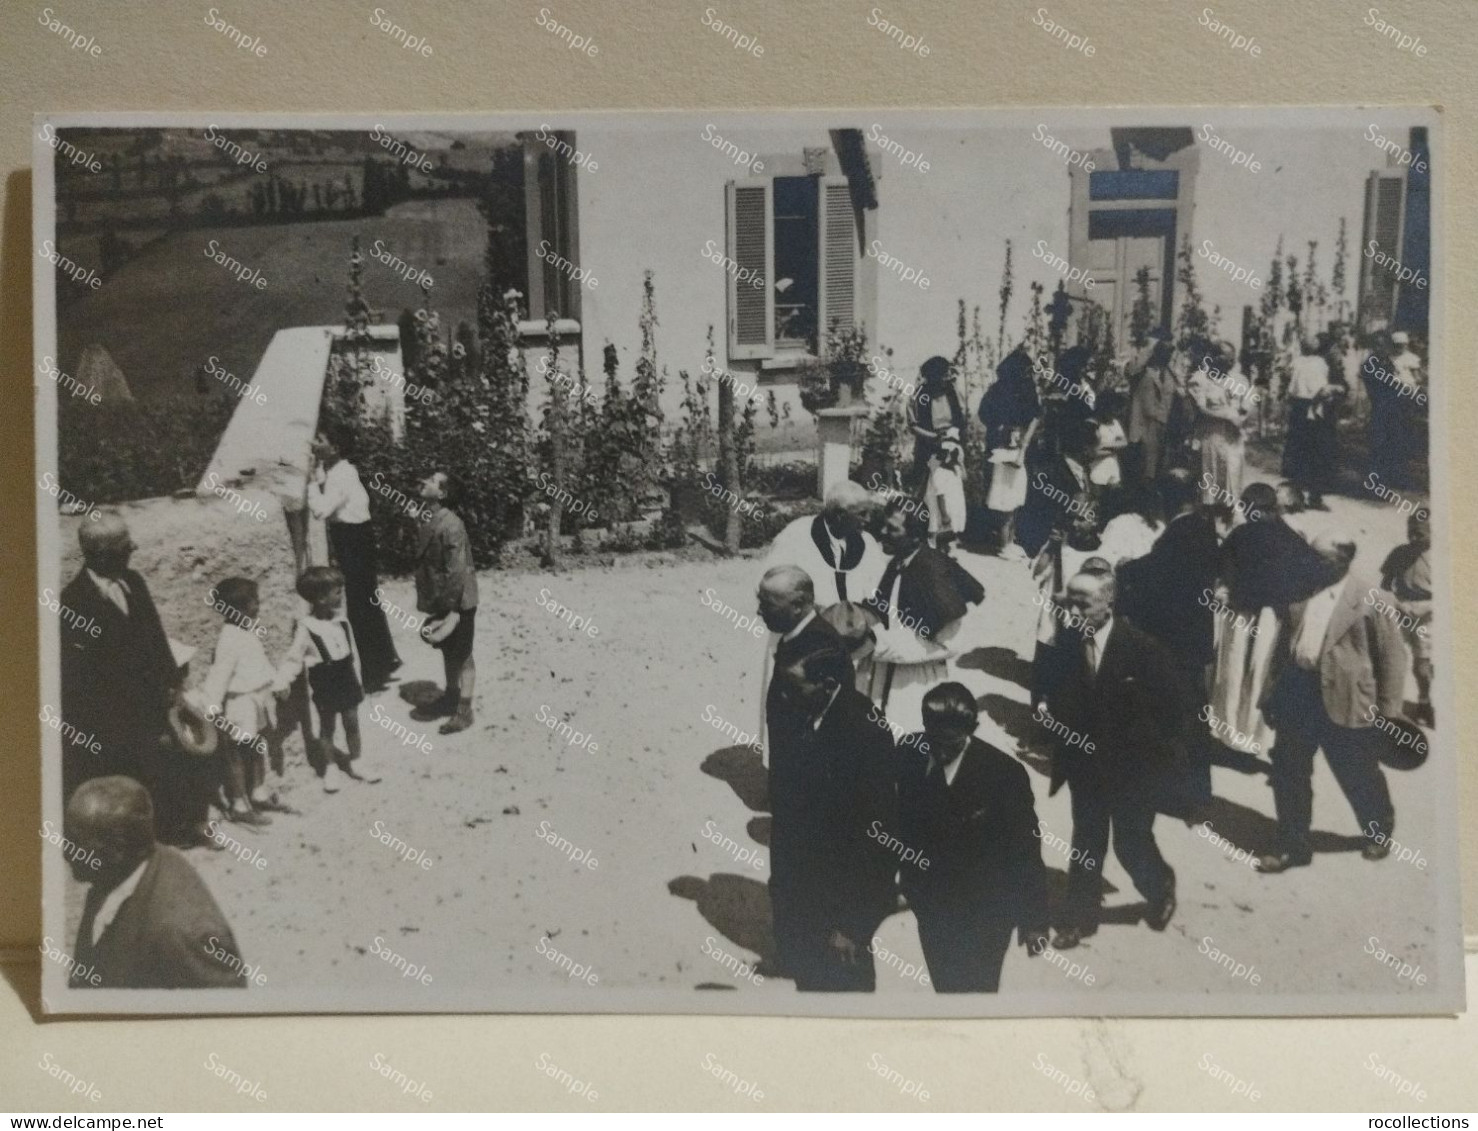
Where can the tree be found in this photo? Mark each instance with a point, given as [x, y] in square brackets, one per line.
[1035, 338]
[1005, 293]
[1337, 281]
[1192, 326]
[1142, 318]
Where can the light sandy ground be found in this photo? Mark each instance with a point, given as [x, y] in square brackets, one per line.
[483, 805]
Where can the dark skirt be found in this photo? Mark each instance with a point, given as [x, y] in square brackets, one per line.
[353, 545]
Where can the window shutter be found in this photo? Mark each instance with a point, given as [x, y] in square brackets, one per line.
[751, 245]
[837, 278]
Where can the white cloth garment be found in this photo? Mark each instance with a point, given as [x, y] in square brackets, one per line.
[114, 901]
[1308, 644]
[341, 496]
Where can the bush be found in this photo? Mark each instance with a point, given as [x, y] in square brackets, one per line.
[113, 453]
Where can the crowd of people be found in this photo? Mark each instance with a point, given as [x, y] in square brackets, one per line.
[150, 766]
[1185, 617]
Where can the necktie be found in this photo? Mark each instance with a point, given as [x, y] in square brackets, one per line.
[1090, 653]
[884, 596]
[116, 592]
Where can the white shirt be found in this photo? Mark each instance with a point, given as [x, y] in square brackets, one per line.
[303, 653]
[1308, 644]
[111, 588]
[341, 497]
[952, 769]
[114, 901]
[820, 718]
[1310, 374]
[796, 631]
[1095, 643]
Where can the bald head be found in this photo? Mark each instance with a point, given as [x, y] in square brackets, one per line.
[1090, 594]
[106, 543]
[785, 596]
[110, 819]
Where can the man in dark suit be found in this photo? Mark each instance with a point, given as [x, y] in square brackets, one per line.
[1118, 717]
[787, 605]
[831, 879]
[1338, 684]
[148, 922]
[119, 680]
[1058, 488]
[968, 822]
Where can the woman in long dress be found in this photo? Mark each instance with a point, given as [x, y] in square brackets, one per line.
[1220, 415]
[1265, 566]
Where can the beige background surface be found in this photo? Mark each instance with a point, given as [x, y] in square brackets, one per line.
[328, 56]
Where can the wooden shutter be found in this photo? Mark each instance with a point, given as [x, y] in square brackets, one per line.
[837, 251]
[750, 214]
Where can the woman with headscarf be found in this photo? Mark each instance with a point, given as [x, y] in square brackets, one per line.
[1265, 566]
[935, 408]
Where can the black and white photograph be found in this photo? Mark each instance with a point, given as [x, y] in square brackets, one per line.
[847, 563]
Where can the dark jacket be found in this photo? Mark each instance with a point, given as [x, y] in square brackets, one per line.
[825, 866]
[1169, 591]
[934, 591]
[1051, 488]
[446, 580]
[168, 935]
[1134, 712]
[117, 685]
[979, 838]
[1268, 563]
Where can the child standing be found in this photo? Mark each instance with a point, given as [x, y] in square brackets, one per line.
[324, 646]
[945, 494]
[238, 698]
